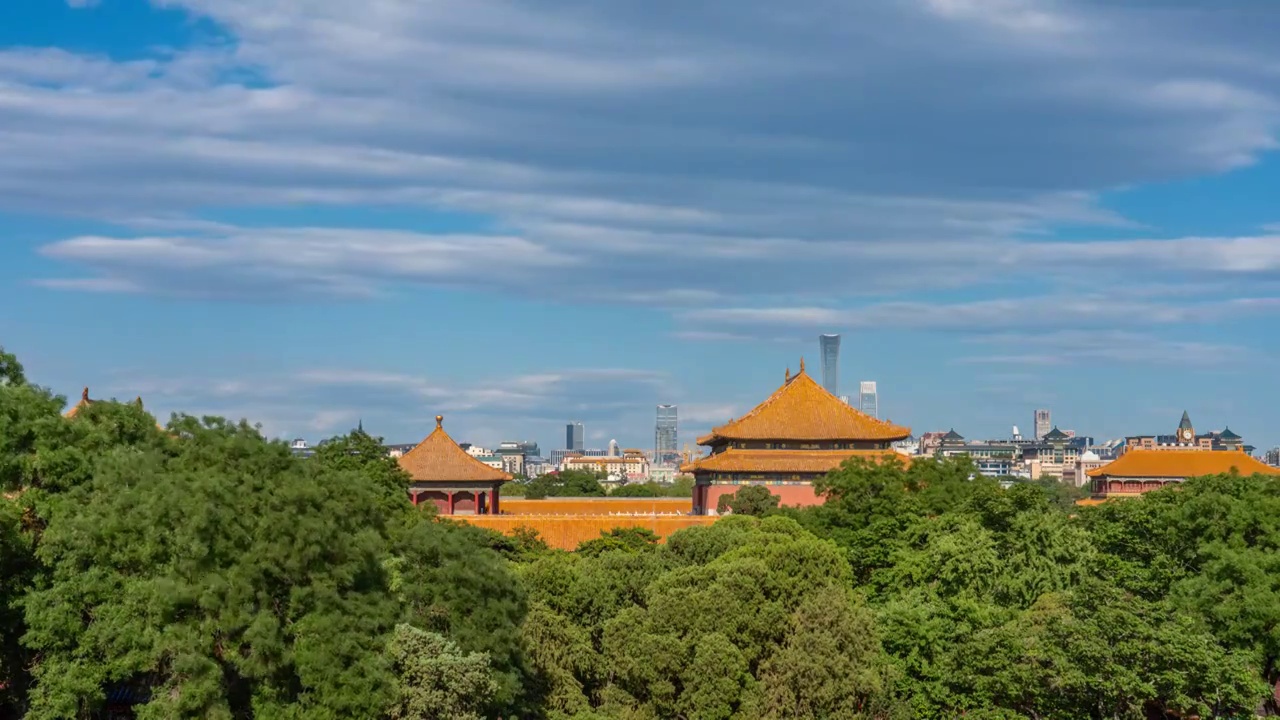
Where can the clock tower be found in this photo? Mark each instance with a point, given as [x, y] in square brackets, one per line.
[1186, 433]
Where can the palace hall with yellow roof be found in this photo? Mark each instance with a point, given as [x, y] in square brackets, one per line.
[798, 434]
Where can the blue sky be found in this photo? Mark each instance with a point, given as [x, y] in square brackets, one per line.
[522, 213]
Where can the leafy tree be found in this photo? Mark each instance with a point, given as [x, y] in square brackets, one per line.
[830, 665]
[1062, 495]
[437, 681]
[219, 574]
[448, 580]
[34, 437]
[695, 645]
[630, 539]
[10, 369]
[566, 483]
[358, 451]
[749, 500]
[1097, 653]
[17, 566]
[645, 489]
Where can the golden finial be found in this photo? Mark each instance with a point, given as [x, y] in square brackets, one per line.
[439, 421]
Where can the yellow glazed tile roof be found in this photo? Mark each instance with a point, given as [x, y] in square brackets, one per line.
[439, 459]
[784, 461]
[84, 403]
[1182, 463]
[803, 410]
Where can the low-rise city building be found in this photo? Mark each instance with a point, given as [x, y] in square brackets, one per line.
[1186, 438]
[631, 466]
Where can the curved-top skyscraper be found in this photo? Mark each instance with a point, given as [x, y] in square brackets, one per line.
[830, 345]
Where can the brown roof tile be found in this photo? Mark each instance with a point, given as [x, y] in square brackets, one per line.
[783, 461]
[803, 410]
[439, 459]
[1182, 464]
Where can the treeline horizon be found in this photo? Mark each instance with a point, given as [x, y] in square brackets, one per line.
[201, 570]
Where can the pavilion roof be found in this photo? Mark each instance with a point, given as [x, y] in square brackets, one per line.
[439, 459]
[85, 402]
[1182, 463]
[784, 461]
[1056, 434]
[803, 410]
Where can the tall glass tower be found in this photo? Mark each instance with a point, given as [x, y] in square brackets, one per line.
[830, 346]
[573, 436]
[664, 434]
[869, 398]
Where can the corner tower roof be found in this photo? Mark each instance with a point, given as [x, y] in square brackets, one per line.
[803, 410]
[439, 459]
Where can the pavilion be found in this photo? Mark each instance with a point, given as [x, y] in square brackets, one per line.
[798, 434]
[1143, 470]
[443, 473]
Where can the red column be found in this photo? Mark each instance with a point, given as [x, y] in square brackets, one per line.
[495, 509]
[413, 497]
[451, 502]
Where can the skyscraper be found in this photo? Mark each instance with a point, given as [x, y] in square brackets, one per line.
[1043, 424]
[830, 347]
[868, 398]
[573, 436]
[664, 435]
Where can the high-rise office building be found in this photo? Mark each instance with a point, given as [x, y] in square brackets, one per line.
[868, 398]
[613, 449]
[664, 435]
[1043, 424]
[830, 347]
[573, 436]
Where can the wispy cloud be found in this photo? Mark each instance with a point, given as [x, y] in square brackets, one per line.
[1104, 348]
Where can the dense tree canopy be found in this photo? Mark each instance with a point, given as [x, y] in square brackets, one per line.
[565, 483]
[201, 571]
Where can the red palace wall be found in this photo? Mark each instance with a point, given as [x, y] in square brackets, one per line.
[794, 495]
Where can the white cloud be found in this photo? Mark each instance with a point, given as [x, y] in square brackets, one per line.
[296, 262]
[757, 168]
[984, 315]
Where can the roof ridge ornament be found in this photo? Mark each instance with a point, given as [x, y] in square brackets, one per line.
[801, 363]
[439, 422]
[84, 394]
